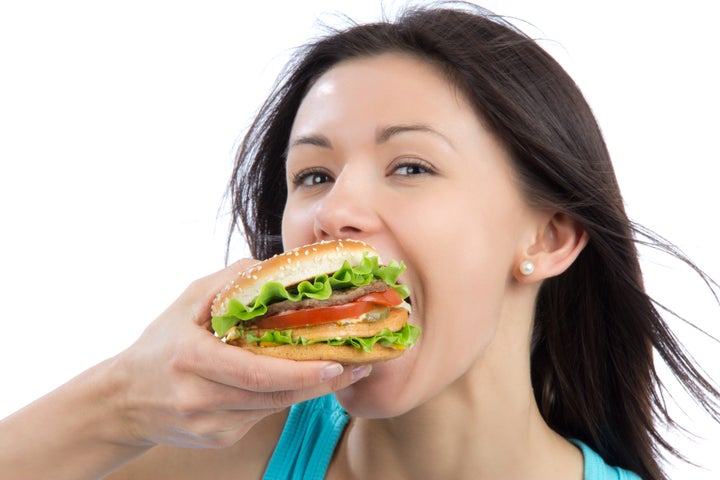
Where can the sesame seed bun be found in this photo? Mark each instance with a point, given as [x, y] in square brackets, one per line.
[290, 268]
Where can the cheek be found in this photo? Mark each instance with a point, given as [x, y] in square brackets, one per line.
[465, 299]
[297, 226]
[461, 238]
[458, 306]
[464, 253]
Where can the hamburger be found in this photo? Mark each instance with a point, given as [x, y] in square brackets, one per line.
[331, 300]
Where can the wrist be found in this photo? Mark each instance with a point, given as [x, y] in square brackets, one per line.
[110, 420]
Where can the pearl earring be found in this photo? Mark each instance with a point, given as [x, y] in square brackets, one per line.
[527, 267]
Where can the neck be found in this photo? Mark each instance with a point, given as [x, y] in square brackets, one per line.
[485, 425]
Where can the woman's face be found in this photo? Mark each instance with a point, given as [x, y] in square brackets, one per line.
[384, 149]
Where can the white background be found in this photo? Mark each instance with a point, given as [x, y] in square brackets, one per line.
[118, 124]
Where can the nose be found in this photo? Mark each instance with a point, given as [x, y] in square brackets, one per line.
[348, 210]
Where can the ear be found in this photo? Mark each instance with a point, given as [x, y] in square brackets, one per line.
[558, 242]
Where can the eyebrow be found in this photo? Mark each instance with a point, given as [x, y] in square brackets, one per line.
[316, 140]
[388, 132]
[384, 135]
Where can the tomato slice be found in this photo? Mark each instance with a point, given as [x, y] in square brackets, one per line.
[389, 297]
[319, 315]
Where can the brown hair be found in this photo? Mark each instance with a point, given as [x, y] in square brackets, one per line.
[595, 326]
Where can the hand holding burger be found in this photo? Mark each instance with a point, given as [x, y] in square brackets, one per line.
[332, 300]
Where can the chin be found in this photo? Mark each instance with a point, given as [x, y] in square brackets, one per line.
[385, 393]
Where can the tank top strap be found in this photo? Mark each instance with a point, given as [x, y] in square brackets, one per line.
[308, 440]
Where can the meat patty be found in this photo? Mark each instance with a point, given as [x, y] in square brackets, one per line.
[338, 297]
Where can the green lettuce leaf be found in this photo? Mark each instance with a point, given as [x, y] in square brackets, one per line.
[403, 338]
[320, 288]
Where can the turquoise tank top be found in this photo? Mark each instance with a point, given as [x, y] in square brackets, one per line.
[313, 429]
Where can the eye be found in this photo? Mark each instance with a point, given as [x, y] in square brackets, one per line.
[310, 177]
[410, 167]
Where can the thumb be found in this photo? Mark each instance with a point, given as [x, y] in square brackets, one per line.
[202, 292]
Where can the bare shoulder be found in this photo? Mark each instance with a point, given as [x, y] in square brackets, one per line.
[246, 459]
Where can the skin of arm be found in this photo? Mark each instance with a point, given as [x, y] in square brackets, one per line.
[73, 432]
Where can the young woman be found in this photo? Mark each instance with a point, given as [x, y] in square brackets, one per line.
[453, 142]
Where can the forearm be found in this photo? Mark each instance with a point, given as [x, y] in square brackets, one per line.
[74, 432]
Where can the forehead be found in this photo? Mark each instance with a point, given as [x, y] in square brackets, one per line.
[358, 98]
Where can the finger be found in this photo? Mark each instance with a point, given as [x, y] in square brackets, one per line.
[229, 273]
[233, 366]
[222, 397]
[198, 297]
[217, 280]
[281, 399]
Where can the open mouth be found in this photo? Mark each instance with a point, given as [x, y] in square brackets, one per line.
[408, 299]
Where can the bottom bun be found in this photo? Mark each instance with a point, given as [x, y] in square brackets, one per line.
[345, 354]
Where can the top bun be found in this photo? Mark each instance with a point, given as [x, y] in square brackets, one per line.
[291, 268]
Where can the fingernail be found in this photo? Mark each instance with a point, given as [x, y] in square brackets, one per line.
[331, 371]
[359, 372]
